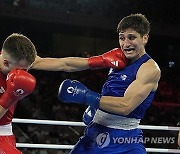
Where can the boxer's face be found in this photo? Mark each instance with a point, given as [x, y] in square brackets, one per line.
[8, 64]
[132, 44]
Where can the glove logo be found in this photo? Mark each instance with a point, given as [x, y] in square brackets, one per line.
[71, 90]
[115, 63]
[18, 92]
[103, 140]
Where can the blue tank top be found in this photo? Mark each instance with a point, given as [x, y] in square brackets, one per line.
[119, 80]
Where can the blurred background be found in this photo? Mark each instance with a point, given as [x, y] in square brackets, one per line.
[83, 28]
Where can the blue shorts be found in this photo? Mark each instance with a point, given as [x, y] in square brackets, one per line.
[99, 139]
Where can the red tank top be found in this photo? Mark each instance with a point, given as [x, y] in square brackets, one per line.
[8, 116]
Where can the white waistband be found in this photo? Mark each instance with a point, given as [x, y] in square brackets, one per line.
[115, 121]
[6, 130]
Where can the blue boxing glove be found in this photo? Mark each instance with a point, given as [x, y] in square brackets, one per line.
[89, 114]
[72, 91]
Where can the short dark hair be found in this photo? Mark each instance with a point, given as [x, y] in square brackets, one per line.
[19, 47]
[137, 22]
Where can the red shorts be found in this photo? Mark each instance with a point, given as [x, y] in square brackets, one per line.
[8, 145]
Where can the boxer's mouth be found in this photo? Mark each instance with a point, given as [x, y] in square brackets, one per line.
[129, 50]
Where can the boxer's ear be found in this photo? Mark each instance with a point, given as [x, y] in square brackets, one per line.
[6, 62]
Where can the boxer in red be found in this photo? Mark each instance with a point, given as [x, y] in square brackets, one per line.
[17, 55]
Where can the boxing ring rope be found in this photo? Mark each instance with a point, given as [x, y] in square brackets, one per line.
[72, 123]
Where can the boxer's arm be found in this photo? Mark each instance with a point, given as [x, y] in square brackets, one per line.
[146, 81]
[69, 64]
[111, 59]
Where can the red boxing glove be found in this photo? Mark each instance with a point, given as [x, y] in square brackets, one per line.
[19, 84]
[112, 59]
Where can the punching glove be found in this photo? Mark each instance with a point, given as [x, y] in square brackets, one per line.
[112, 59]
[19, 84]
[72, 91]
[89, 115]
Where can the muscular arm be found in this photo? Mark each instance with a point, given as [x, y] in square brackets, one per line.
[69, 64]
[146, 81]
[72, 64]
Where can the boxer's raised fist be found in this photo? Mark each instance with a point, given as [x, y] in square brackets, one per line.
[19, 84]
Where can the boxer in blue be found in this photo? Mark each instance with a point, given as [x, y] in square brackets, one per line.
[125, 96]
[113, 116]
